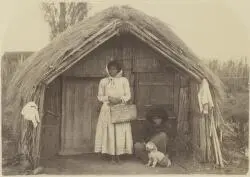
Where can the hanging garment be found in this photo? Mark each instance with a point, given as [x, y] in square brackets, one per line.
[205, 98]
[30, 112]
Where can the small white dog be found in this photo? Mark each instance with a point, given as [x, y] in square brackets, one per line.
[156, 157]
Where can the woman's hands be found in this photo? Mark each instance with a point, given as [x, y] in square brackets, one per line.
[114, 100]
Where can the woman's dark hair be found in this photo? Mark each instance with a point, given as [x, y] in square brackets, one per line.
[115, 64]
[157, 112]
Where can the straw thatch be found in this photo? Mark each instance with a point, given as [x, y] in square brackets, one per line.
[29, 82]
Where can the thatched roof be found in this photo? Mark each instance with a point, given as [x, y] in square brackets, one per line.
[77, 41]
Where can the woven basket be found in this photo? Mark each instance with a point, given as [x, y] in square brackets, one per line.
[123, 113]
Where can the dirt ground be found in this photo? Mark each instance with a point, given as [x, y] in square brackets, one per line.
[92, 164]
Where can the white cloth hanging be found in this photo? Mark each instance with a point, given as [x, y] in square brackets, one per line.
[30, 112]
[205, 98]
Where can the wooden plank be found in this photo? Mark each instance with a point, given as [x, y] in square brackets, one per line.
[143, 98]
[51, 119]
[91, 66]
[161, 77]
[94, 116]
[136, 87]
[65, 136]
[155, 95]
[176, 92]
[49, 148]
[129, 76]
[182, 123]
[184, 81]
[183, 129]
[126, 63]
[132, 100]
[208, 140]
[52, 100]
[148, 65]
[202, 139]
[63, 125]
[194, 110]
[161, 95]
[154, 84]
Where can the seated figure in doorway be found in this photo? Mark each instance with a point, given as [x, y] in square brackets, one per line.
[154, 130]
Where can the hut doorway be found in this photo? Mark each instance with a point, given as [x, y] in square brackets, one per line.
[79, 115]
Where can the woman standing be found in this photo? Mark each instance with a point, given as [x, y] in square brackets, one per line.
[113, 139]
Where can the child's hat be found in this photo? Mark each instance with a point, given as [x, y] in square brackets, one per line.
[156, 112]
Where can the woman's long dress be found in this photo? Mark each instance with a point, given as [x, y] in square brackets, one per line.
[113, 139]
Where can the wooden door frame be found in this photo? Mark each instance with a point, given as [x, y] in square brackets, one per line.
[137, 85]
[52, 114]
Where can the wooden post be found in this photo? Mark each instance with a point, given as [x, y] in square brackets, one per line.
[195, 118]
[176, 92]
[202, 138]
[182, 120]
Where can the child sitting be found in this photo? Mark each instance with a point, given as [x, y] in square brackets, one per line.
[155, 130]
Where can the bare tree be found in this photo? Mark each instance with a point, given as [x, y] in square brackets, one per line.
[61, 15]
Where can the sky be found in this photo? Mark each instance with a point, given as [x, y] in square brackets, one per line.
[211, 28]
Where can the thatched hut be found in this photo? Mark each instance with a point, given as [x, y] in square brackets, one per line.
[62, 79]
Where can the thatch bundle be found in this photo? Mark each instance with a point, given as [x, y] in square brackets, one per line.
[30, 81]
